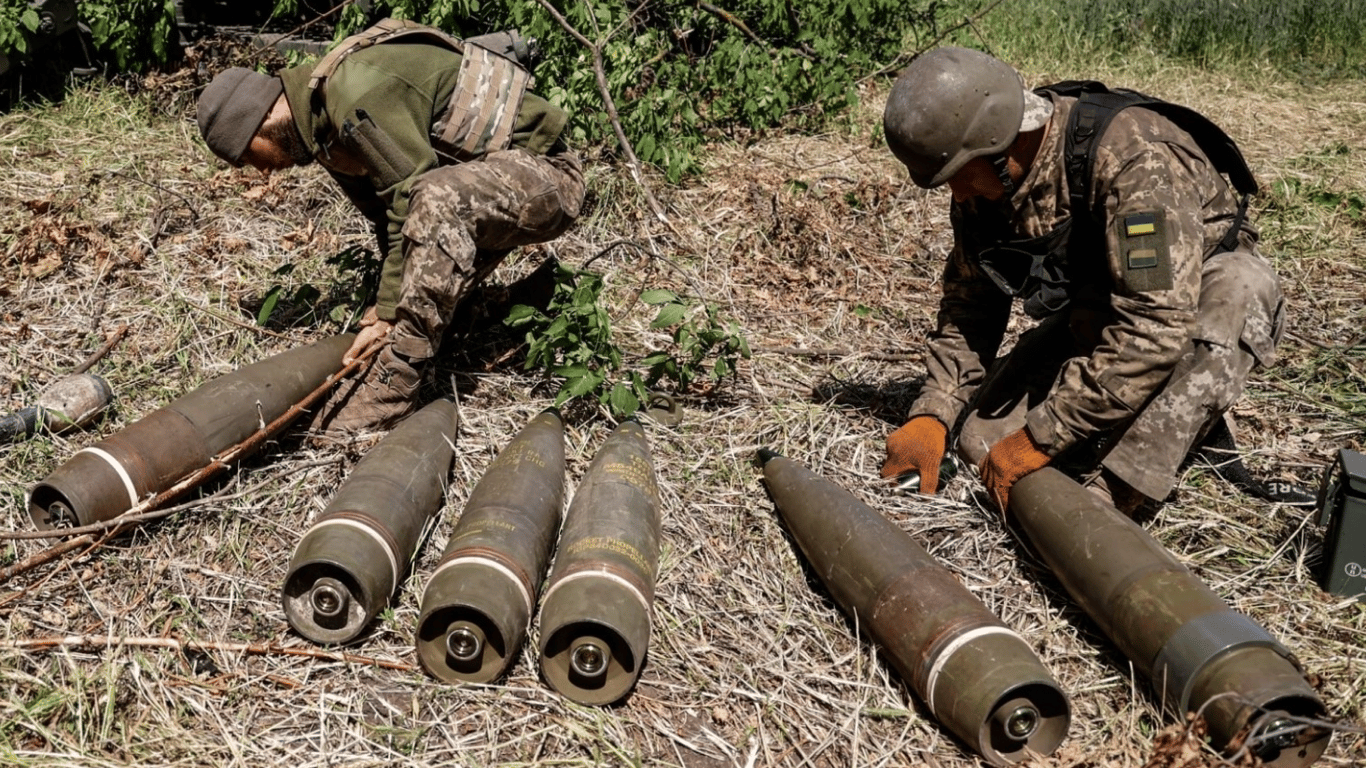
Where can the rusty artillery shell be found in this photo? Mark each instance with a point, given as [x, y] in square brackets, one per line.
[352, 560]
[152, 454]
[595, 620]
[1200, 654]
[977, 676]
[479, 601]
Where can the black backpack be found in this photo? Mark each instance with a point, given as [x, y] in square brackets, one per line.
[1097, 105]
[1045, 279]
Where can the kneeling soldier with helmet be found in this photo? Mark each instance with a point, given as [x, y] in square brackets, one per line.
[1108, 214]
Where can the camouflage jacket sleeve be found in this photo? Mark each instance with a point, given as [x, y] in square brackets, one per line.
[972, 320]
[1152, 183]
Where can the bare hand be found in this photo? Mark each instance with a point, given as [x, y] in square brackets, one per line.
[372, 331]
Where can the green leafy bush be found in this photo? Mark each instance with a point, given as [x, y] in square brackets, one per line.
[679, 72]
[18, 22]
[131, 35]
[572, 340]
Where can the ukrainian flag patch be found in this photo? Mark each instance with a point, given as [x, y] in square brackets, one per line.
[1140, 224]
[1144, 256]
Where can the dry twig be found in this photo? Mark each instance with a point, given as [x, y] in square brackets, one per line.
[96, 642]
[610, 105]
[98, 355]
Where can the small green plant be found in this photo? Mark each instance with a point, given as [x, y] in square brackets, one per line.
[351, 292]
[572, 340]
[303, 294]
[698, 335]
[358, 271]
[18, 22]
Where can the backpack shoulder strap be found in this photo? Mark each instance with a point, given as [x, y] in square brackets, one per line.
[384, 31]
[1097, 105]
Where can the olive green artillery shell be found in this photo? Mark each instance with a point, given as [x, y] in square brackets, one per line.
[595, 619]
[1200, 654]
[979, 678]
[479, 600]
[152, 454]
[350, 562]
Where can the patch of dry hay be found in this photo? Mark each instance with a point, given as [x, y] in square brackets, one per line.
[830, 262]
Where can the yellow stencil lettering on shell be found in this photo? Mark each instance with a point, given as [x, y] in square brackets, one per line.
[523, 453]
[636, 472]
[480, 527]
[609, 544]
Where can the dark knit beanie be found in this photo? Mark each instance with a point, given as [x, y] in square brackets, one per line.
[232, 107]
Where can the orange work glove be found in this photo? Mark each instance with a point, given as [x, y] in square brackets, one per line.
[1010, 459]
[917, 445]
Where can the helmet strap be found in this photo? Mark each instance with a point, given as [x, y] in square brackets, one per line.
[1003, 172]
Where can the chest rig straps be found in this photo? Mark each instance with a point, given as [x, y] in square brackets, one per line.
[482, 112]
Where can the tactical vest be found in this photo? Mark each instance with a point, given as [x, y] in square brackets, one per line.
[482, 112]
[1043, 270]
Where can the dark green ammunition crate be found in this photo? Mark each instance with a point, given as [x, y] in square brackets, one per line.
[1342, 507]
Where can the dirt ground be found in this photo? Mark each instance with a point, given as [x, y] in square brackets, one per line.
[169, 646]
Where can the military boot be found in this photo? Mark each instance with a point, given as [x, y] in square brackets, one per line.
[376, 400]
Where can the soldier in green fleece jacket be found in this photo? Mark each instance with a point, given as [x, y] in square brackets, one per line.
[442, 146]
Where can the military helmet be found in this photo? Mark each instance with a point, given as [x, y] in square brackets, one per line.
[951, 105]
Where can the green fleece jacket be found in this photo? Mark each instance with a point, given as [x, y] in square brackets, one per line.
[402, 88]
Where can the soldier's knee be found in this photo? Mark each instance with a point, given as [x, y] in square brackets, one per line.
[1241, 277]
[977, 437]
[1241, 304]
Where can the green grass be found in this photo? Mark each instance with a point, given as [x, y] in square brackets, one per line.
[1308, 40]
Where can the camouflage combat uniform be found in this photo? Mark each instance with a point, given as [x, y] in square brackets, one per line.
[1161, 330]
[442, 224]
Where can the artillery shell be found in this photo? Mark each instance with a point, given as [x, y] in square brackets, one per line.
[479, 601]
[978, 677]
[351, 561]
[73, 401]
[1200, 654]
[152, 454]
[595, 620]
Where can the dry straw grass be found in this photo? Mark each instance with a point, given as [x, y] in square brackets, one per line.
[115, 214]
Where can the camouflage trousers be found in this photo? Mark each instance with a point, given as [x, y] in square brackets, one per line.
[463, 220]
[1239, 323]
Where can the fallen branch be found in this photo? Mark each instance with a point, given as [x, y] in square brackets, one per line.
[632, 162]
[126, 519]
[732, 20]
[217, 464]
[739, 24]
[100, 642]
[239, 323]
[304, 26]
[46, 556]
[968, 21]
